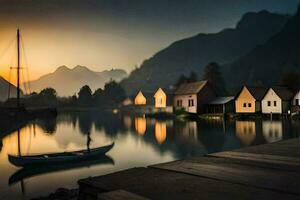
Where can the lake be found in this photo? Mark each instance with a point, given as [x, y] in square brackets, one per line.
[138, 142]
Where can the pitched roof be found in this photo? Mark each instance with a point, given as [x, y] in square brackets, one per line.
[258, 92]
[190, 88]
[221, 100]
[284, 93]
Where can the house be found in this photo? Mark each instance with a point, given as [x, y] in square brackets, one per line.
[277, 101]
[296, 103]
[221, 105]
[160, 98]
[192, 97]
[248, 100]
[140, 99]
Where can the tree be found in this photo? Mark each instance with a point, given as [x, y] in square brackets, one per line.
[85, 96]
[47, 97]
[213, 75]
[184, 79]
[291, 79]
[98, 97]
[114, 93]
[193, 77]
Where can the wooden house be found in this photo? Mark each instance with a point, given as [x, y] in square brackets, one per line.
[277, 101]
[221, 105]
[192, 97]
[140, 99]
[296, 103]
[248, 100]
[160, 98]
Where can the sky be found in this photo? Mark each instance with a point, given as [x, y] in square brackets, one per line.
[105, 34]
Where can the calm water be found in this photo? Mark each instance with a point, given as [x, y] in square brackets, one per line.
[138, 142]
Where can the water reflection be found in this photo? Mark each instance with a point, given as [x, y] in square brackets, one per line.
[272, 130]
[246, 131]
[160, 132]
[140, 125]
[28, 172]
[139, 142]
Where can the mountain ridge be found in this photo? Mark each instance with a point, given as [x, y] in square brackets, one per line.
[67, 81]
[194, 53]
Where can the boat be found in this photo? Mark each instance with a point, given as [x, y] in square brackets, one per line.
[32, 171]
[55, 158]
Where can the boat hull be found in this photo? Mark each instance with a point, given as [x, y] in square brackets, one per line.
[24, 161]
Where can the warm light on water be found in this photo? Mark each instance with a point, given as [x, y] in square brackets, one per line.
[138, 142]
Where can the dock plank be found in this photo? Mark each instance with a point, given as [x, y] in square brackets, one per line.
[261, 160]
[120, 195]
[163, 184]
[226, 170]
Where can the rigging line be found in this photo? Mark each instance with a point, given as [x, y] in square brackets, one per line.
[26, 64]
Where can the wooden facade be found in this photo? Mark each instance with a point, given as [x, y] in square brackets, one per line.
[193, 97]
[249, 99]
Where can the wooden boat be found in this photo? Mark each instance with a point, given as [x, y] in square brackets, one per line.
[53, 158]
[32, 171]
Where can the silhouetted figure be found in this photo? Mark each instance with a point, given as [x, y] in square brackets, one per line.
[89, 140]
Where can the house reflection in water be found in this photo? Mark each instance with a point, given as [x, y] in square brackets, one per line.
[127, 122]
[245, 131]
[187, 132]
[140, 125]
[160, 132]
[272, 130]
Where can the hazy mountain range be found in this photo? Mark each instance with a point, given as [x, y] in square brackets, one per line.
[193, 54]
[68, 81]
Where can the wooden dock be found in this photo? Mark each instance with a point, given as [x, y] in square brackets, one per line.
[270, 171]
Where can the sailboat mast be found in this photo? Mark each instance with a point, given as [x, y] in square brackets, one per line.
[18, 69]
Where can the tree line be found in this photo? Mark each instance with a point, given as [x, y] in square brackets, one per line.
[111, 95]
[212, 73]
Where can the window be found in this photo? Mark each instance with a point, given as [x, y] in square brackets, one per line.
[275, 103]
[245, 105]
[297, 102]
[179, 103]
[249, 105]
[269, 103]
[191, 102]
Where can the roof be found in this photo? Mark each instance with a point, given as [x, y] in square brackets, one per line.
[284, 93]
[258, 92]
[190, 88]
[221, 100]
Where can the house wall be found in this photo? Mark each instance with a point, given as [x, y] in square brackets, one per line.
[185, 102]
[140, 99]
[246, 98]
[160, 99]
[297, 96]
[272, 97]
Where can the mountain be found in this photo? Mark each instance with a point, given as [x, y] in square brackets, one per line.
[193, 54]
[68, 81]
[266, 63]
[4, 88]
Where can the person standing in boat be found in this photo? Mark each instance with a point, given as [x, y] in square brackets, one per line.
[89, 140]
